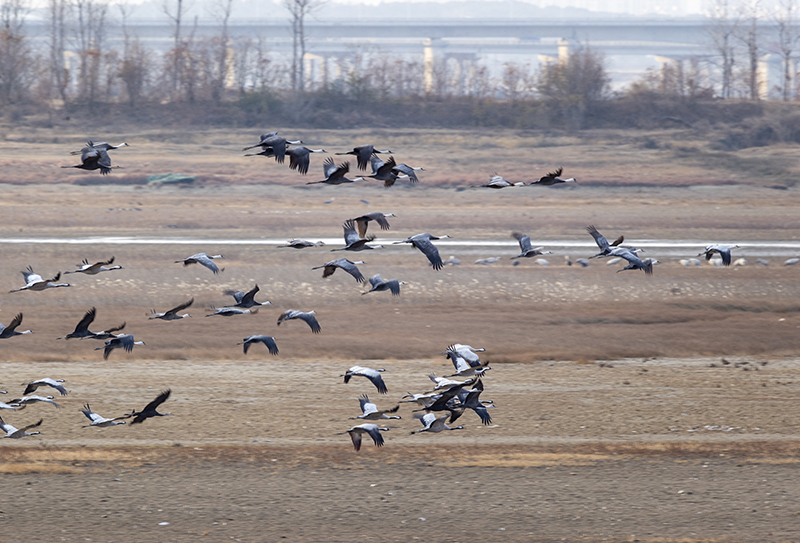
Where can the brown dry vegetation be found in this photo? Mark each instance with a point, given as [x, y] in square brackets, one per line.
[611, 388]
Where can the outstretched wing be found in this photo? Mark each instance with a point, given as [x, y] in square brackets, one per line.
[599, 238]
[181, 307]
[350, 234]
[429, 250]
[524, 241]
[311, 321]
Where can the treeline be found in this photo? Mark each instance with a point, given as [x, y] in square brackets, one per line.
[240, 82]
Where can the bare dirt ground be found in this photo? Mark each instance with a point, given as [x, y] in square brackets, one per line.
[628, 407]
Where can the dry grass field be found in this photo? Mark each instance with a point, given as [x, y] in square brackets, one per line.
[629, 407]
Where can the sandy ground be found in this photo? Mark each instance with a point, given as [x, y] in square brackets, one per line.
[628, 407]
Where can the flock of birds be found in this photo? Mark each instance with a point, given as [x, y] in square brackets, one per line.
[448, 399]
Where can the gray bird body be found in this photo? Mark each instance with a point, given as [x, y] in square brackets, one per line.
[379, 285]
[34, 281]
[525, 246]
[269, 341]
[423, 243]
[308, 317]
[11, 330]
[204, 260]
[14, 433]
[344, 264]
[97, 267]
[372, 430]
[172, 314]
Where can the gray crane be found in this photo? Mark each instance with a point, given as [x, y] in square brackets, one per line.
[344, 264]
[54, 383]
[308, 317]
[362, 222]
[104, 145]
[431, 423]
[408, 171]
[525, 246]
[372, 430]
[26, 400]
[423, 243]
[373, 375]
[13, 433]
[497, 182]
[364, 153]
[369, 411]
[634, 262]
[302, 244]
[465, 361]
[172, 314]
[354, 242]
[723, 250]
[335, 175]
[379, 285]
[150, 410]
[122, 341]
[553, 179]
[11, 330]
[93, 158]
[99, 421]
[384, 171]
[34, 281]
[276, 143]
[300, 158]
[97, 267]
[602, 243]
[204, 260]
[269, 341]
[246, 299]
[231, 311]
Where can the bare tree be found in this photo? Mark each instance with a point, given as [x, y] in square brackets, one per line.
[571, 87]
[15, 56]
[787, 38]
[749, 36]
[90, 18]
[57, 12]
[221, 11]
[722, 30]
[175, 13]
[136, 64]
[298, 10]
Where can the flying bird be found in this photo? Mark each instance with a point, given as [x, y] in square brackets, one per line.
[363, 154]
[172, 314]
[431, 423]
[246, 299]
[269, 341]
[369, 373]
[105, 146]
[634, 262]
[149, 410]
[309, 318]
[354, 242]
[102, 422]
[723, 250]
[553, 179]
[497, 182]
[122, 341]
[369, 411]
[93, 158]
[204, 259]
[344, 264]
[273, 141]
[300, 158]
[602, 243]
[24, 401]
[372, 430]
[55, 383]
[525, 246]
[97, 267]
[82, 328]
[231, 311]
[423, 243]
[379, 285]
[11, 330]
[362, 222]
[34, 281]
[408, 171]
[302, 244]
[384, 171]
[335, 175]
[13, 433]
